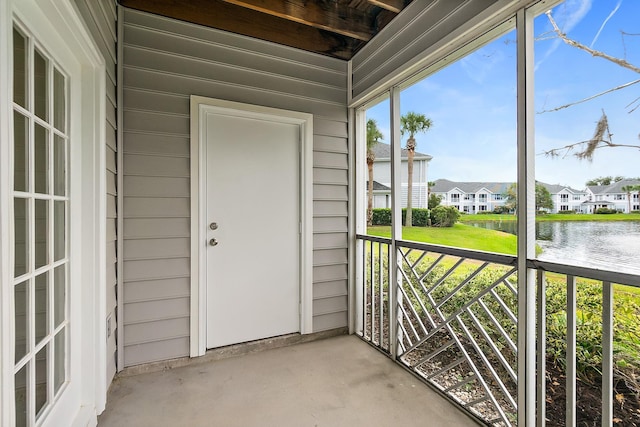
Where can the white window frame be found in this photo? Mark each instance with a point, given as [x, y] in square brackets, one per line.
[61, 32]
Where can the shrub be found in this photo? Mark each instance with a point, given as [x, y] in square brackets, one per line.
[635, 212]
[500, 210]
[605, 211]
[382, 216]
[444, 216]
[484, 213]
[566, 212]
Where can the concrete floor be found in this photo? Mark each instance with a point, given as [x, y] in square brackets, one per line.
[338, 381]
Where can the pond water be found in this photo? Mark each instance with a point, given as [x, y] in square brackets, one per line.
[607, 245]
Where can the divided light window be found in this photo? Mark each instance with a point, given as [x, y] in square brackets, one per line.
[40, 225]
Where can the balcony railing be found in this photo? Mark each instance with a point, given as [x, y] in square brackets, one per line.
[450, 316]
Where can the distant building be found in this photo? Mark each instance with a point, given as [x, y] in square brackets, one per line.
[471, 197]
[474, 197]
[612, 197]
[382, 178]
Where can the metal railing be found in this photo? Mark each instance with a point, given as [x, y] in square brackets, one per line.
[452, 314]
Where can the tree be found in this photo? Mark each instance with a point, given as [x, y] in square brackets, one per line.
[511, 198]
[434, 201]
[604, 180]
[543, 198]
[412, 123]
[373, 137]
[630, 189]
[602, 136]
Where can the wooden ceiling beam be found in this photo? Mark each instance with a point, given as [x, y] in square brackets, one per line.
[229, 17]
[394, 6]
[333, 17]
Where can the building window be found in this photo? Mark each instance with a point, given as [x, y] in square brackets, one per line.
[564, 207]
[619, 197]
[564, 198]
[576, 197]
[497, 197]
[482, 208]
[467, 197]
[466, 209]
[482, 197]
[455, 197]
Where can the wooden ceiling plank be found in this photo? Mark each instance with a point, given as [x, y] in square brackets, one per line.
[225, 16]
[336, 18]
[394, 6]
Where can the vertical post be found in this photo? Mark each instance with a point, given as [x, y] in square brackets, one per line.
[542, 348]
[571, 352]
[357, 217]
[396, 215]
[526, 223]
[607, 354]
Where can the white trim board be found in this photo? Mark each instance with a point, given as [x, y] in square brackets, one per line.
[199, 107]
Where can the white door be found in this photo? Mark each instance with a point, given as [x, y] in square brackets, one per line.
[51, 304]
[253, 227]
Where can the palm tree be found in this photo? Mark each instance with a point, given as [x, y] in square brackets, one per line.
[628, 189]
[373, 137]
[412, 123]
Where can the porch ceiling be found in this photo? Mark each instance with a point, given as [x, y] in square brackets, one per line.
[337, 28]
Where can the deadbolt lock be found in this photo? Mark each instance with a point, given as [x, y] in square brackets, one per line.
[213, 226]
[213, 242]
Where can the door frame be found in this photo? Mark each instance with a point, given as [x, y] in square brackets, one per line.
[68, 39]
[200, 108]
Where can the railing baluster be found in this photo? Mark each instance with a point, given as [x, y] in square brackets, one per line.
[571, 351]
[380, 295]
[541, 350]
[372, 282]
[607, 354]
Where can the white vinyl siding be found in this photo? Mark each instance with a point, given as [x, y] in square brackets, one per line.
[165, 62]
[100, 18]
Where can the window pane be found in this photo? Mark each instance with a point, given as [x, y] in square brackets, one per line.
[20, 150]
[42, 236]
[21, 396]
[41, 93]
[59, 166]
[19, 69]
[41, 167]
[59, 101]
[59, 241]
[41, 306]
[20, 298]
[59, 371]
[41, 378]
[21, 260]
[59, 294]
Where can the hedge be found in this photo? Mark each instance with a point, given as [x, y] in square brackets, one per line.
[382, 216]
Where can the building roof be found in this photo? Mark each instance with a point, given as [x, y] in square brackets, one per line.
[382, 151]
[616, 187]
[444, 186]
[556, 188]
[379, 187]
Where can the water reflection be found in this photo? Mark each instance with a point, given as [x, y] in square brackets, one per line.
[608, 245]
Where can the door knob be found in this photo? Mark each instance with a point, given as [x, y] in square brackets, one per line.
[213, 226]
[213, 242]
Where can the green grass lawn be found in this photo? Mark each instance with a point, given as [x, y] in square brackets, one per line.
[460, 235]
[553, 217]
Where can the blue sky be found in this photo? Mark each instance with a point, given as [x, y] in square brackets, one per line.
[473, 102]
